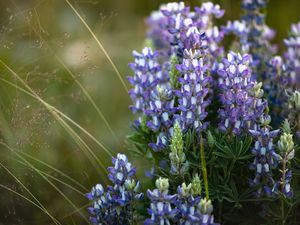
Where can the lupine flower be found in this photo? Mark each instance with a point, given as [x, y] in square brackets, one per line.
[209, 9]
[161, 108]
[156, 32]
[147, 74]
[235, 85]
[276, 85]
[277, 79]
[259, 34]
[187, 205]
[287, 153]
[266, 158]
[101, 209]
[178, 22]
[121, 171]
[161, 209]
[191, 209]
[115, 205]
[254, 36]
[206, 209]
[152, 96]
[239, 29]
[292, 55]
[194, 88]
[259, 105]
[177, 19]
[204, 21]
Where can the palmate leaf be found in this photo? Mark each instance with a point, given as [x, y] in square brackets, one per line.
[234, 148]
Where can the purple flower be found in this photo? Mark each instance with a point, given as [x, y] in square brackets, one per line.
[191, 208]
[238, 28]
[265, 160]
[187, 205]
[121, 171]
[292, 56]
[254, 36]
[161, 209]
[115, 205]
[161, 108]
[194, 89]
[259, 34]
[147, 74]
[235, 85]
[177, 19]
[209, 9]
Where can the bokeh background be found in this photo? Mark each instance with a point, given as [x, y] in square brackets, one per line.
[46, 160]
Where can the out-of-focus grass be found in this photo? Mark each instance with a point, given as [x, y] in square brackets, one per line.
[33, 36]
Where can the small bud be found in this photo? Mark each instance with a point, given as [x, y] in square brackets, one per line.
[286, 128]
[185, 189]
[291, 155]
[162, 184]
[265, 120]
[205, 206]
[174, 73]
[294, 100]
[257, 92]
[149, 43]
[277, 62]
[286, 143]
[210, 139]
[196, 186]
[130, 184]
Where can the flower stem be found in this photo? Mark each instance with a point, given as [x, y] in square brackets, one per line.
[203, 166]
[282, 188]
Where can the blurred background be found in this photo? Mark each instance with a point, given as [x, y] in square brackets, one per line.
[62, 104]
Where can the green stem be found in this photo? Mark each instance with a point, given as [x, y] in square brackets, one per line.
[203, 166]
[282, 213]
[282, 188]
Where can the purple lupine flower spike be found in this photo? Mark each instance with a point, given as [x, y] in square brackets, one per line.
[194, 89]
[161, 210]
[259, 34]
[187, 206]
[147, 74]
[292, 56]
[204, 22]
[191, 208]
[161, 108]
[235, 86]
[115, 205]
[266, 159]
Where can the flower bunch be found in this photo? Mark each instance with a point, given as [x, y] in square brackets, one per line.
[169, 27]
[205, 108]
[185, 207]
[266, 158]
[115, 205]
[240, 110]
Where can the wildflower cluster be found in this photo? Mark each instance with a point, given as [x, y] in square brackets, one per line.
[116, 204]
[184, 207]
[205, 109]
[240, 110]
